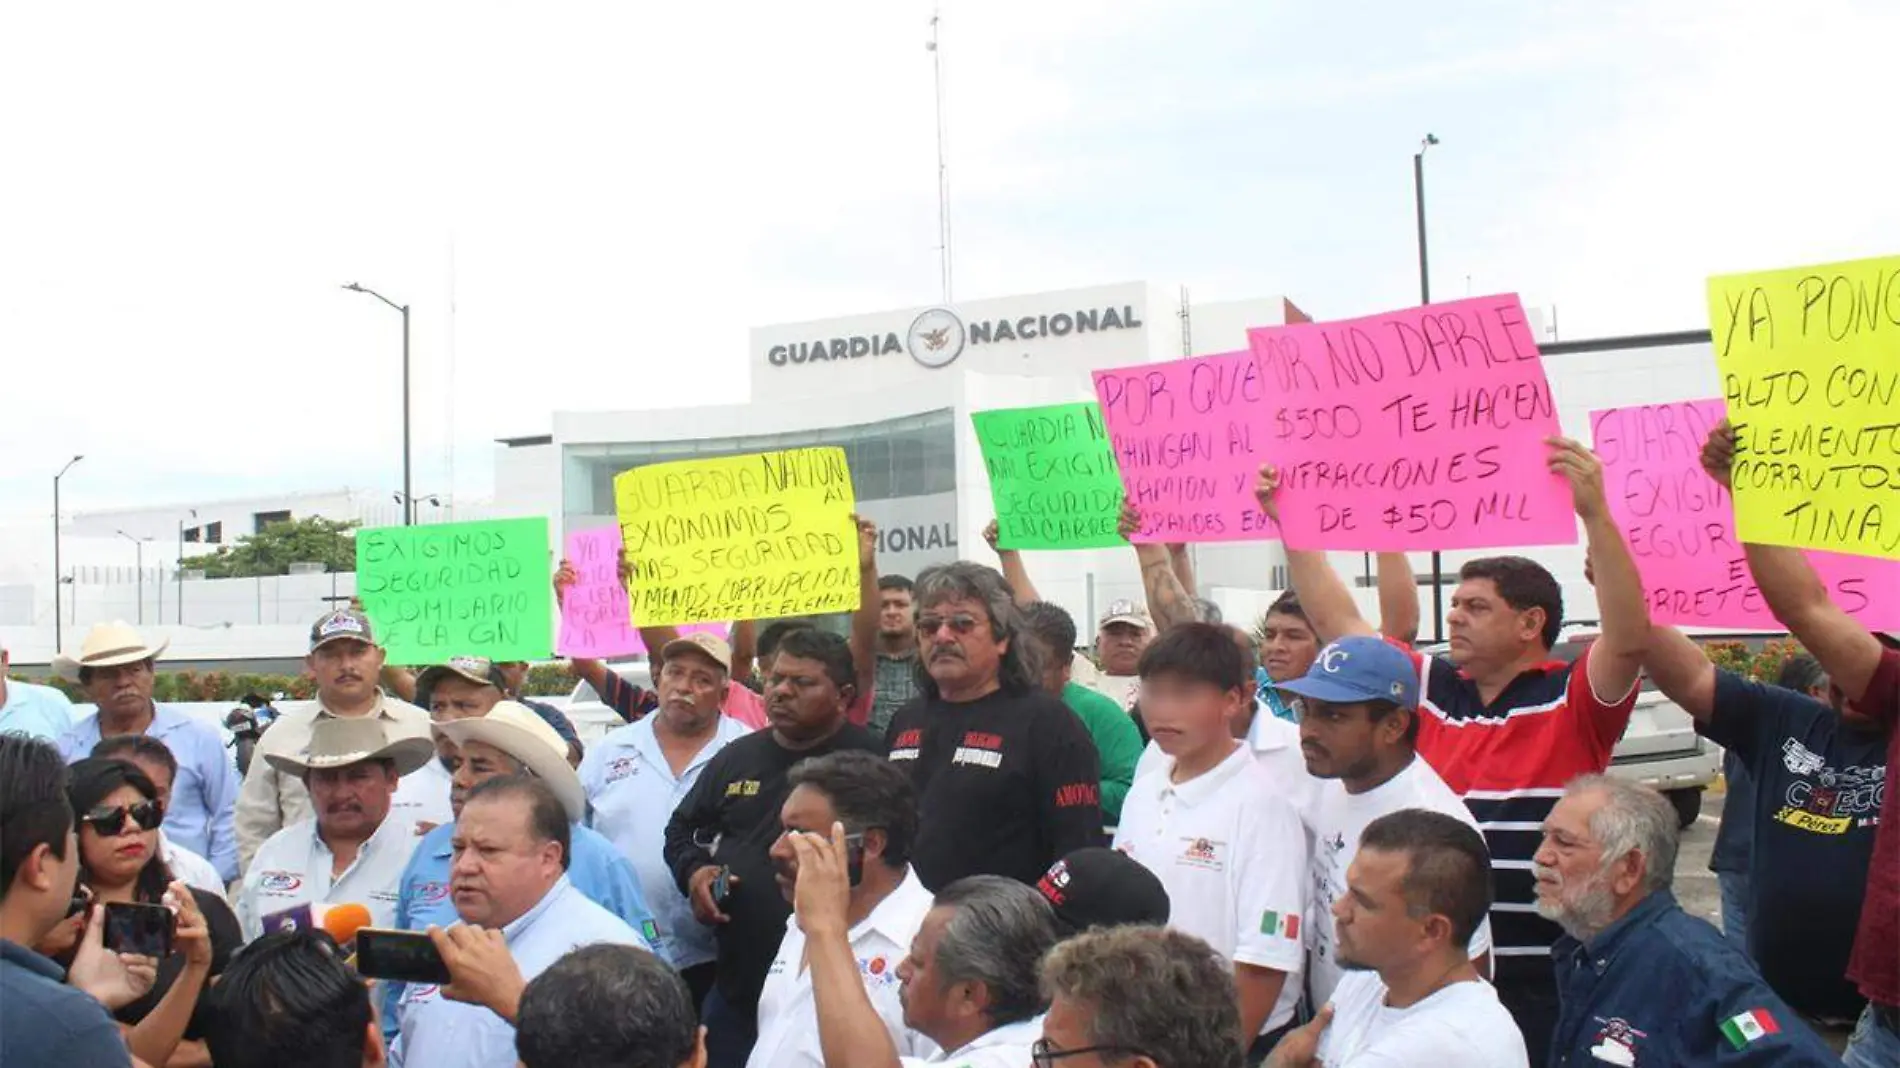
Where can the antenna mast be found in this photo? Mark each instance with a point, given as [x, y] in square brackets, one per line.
[943, 168]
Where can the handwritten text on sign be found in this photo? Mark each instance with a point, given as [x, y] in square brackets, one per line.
[596, 617]
[1810, 361]
[458, 589]
[1680, 526]
[1189, 437]
[1419, 429]
[742, 537]
[1052, 477]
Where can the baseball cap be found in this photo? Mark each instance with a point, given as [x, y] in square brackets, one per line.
[477, 669]
[1095, 887]
[1359, 668]
[705, 644]
[340, 624]
[1126, 612]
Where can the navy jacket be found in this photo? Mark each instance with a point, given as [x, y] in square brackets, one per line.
[1660, 988]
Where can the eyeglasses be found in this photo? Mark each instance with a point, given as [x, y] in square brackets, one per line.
[110, 821]
[1041, 1056]
[928, 626]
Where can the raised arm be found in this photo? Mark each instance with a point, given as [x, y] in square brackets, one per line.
[1616, 659]
[1681, 670]
[850, 1032]
[870, 606]
[400, 681]
[1398, 598]
[1014, 570]
[1170, 600]
[1795, 594]
[745, 649]
[1323, 594]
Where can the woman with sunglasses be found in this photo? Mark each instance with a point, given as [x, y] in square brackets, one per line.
[119, 861]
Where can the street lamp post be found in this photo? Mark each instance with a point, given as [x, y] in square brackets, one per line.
[138, 544]
[409, 505]
[1425, 297]
[59, 620]
[181, 567]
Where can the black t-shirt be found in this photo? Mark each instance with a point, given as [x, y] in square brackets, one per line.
[737, 800]
[1006, 785]
[1818, 785]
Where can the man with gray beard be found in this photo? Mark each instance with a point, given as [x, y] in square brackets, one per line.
[1639, 980]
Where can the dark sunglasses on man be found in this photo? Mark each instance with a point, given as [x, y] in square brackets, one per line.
[109, 820]
[927, 626]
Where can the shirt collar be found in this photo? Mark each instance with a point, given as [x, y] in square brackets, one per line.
[1270, 732]
[895, 917]
[380, 709]
[513, 931]
[393, 826]
[1613, 938]
[37, 963]
[1022, 1033]
[1207, 784]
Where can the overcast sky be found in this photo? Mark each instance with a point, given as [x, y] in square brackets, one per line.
[588, 204]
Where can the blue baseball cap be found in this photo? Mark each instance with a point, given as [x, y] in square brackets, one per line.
[1359, 668]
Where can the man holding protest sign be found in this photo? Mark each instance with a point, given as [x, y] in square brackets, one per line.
[1504, 725]
[1867, 673]
[1007, 777]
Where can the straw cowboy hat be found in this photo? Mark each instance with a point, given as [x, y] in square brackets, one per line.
[108, 645]
[336, 743]
[513, 728]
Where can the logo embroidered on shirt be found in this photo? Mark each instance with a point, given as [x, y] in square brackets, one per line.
[1078, 794]
[1747, 1027]
[981, 749]
[1284, 924]
[1202, 853]
[280, 882]
[743, 788]
[1616, 1042]
[622, 767]
[430, 893]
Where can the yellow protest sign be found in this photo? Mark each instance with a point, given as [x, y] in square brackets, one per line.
[740, 537]
[1810, 362]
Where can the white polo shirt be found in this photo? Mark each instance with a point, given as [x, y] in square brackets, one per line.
[788, 1016]
[1232, 855]
[293, 868]
[190, 868]
[1006, 1047]
[1462, 1024]
[1276, 749]
[1338, 819]
[634, 792]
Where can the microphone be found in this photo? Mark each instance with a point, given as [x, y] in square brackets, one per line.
[343, 921]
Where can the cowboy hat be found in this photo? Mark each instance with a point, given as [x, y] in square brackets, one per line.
[107, 645]
[337, 742]
[513, 728]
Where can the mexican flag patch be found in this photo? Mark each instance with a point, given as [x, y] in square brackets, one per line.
[1284, 924]
[1749, 1026]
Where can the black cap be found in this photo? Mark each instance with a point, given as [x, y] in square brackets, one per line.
[1096, 887]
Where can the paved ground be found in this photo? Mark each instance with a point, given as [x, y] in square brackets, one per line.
[1695, 883]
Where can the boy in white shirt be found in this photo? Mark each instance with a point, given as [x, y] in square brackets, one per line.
[1230, 851]
[1358, 727]
[1419, 885]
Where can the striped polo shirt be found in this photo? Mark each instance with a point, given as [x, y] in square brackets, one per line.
[1509, 761]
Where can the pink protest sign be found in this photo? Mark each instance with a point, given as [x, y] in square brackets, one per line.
[1417, 429]
[1188, 438]
[596, 619]
[1681, 526]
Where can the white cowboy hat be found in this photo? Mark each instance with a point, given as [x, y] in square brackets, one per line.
[513, 728]
[107, 645]
[337, 742]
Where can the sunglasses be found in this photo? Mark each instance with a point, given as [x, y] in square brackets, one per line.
[110, 820]
[928, 626]
[1042, 1056]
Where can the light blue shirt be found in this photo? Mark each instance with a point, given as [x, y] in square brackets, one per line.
[439, 1033]
[204, 795]
[596, 869]
[634, 792]
[35, 711]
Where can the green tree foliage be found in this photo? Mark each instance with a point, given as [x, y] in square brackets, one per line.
[272, 551]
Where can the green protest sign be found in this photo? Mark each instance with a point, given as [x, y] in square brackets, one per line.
[458, 589]
[1052, 476]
